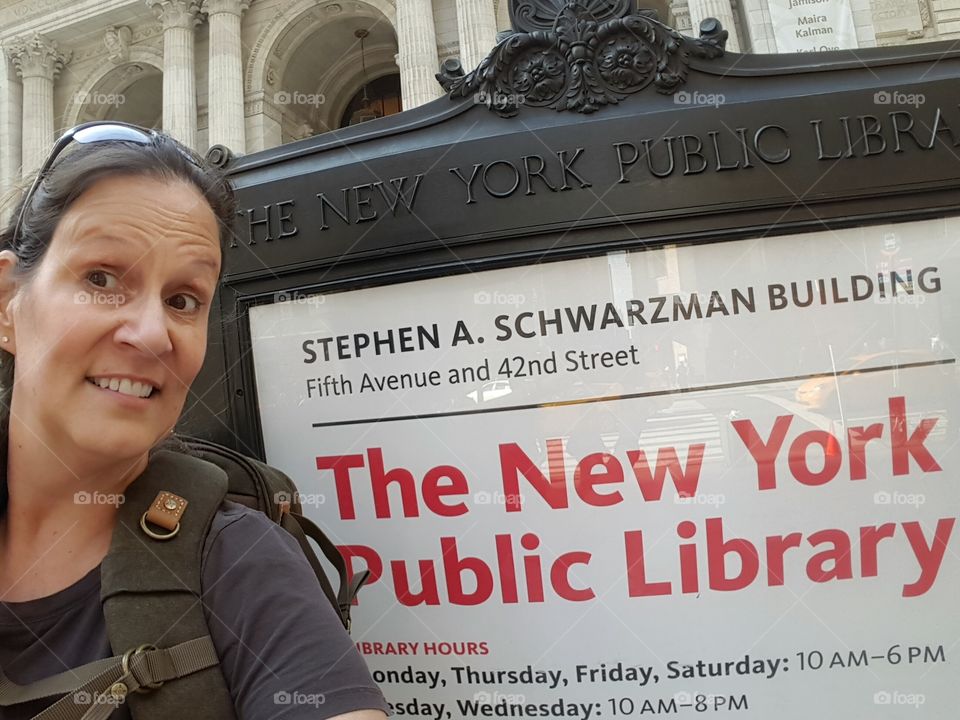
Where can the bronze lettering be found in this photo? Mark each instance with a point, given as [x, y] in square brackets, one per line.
[399, 194]
[821, 155]
[694, 152]
[567, 168]
[530, 173]
[362, 202]
[342, 214]
[253, 223]
[622, 162]
[875, 132]
[500, 193]
[646, 146]
[716, 149]
[937, 123]
[286, 231]
[899, 130]
[771, 159]
[468, 183]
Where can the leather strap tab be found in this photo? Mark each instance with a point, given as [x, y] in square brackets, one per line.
[166, 510]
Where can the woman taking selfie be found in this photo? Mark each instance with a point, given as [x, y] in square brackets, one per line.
[107, 271]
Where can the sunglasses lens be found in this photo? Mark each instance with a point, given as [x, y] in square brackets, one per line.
[98, 133]
[95, 132]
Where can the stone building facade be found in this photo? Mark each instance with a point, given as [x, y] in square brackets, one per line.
[253, 74]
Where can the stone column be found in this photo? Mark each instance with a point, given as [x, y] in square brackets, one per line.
[11, 123]
[179, 17]
[680, 12]
[225, 90]
[722, 10]
[477, 26]
[38, 62]
[418, 59]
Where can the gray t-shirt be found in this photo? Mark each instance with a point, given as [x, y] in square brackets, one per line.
[282, 648]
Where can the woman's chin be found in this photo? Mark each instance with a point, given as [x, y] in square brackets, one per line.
[121, 446]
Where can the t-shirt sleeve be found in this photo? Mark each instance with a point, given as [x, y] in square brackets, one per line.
[282, 649]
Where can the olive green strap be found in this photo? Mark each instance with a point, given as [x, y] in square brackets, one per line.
[152, 589]
[139, 670]
[67, 681]
[108, 682]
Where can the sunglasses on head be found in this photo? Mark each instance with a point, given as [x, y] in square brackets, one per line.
[93, 132]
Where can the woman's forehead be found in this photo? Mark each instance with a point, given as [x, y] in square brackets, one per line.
[144, 190]
[133, 219]
[157, 208]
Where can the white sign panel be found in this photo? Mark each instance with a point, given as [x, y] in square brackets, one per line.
[895, 17]
[702, 480]
[812, 25]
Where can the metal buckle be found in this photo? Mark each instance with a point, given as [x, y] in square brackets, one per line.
[155, 535]
[125, 664]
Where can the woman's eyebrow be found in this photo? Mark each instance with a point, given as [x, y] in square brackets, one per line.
[207, 261]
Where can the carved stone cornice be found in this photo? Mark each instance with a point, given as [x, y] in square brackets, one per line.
[232, 7]
[581, 55]
[37, 56]
[117, 42]
[176, 13]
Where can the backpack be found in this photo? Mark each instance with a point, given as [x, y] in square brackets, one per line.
[150, 589]
[264, 488]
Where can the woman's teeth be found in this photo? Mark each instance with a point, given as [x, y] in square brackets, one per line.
[124, 386]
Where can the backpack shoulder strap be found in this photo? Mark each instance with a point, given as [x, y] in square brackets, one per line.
[302, 528]
[272, 492]
[92, 691]
[150, 588]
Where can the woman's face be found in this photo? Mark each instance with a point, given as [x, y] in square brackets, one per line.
[111, 330]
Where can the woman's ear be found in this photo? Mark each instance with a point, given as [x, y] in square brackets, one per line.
[8, 292]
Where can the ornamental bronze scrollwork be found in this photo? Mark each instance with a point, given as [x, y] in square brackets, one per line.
[581, 55]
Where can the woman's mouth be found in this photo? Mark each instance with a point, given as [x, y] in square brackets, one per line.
[125, 386]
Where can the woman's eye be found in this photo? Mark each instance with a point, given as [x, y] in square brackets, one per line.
[184, 303]
[101, 278]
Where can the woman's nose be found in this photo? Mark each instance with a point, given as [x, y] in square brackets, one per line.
[146, 326]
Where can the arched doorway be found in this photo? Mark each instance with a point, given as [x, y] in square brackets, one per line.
[132, 92]
[378, 98]
[313, 68]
